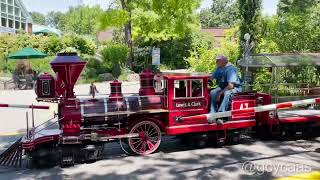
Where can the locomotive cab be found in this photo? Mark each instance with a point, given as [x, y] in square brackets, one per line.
[186, 95]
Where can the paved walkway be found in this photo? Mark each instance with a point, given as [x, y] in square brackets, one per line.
[250, 160]
[13, 121]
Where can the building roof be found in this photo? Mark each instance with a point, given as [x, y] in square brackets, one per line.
[215, 31]
[24, 11]
[105, 35]
[37, 29]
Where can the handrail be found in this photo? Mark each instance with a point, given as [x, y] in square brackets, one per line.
[52, 123]
[24, 106]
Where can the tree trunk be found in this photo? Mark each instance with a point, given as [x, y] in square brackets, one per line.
[127, 32]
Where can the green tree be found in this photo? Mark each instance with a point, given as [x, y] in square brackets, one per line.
[315, 23]
[152, 21]
[202, 58]
[82, 20]
[295, 6]
[206, 18]
[250, 14]
[221, 14]
[38, 18]
[267, 43]
[294, 33]
[296, 29]
[56, 19]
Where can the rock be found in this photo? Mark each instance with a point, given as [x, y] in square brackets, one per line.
[133, 77]
[106, 77]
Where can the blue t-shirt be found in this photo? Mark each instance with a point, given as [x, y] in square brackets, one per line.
[225, 75]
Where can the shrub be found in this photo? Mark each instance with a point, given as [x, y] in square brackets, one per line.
[114, 58]
[202, 58]
[50, 45]
[173, 52]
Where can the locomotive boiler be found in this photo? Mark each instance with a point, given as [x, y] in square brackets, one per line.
[87, 122]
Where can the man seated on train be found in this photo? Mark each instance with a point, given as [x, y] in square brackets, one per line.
[227, 79]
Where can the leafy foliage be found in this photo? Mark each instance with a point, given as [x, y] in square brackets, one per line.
[203, 59]
[80, 20]
[295, 30]
[154, 20]
[114, 57]
[47, 44]
[38, 18]
[162, 20]
[173, 52]
[250, 18]
[266, 42]
[262, 78]
[294, 33]
[295, 6]
[113, 18]
[56, 19]
[223, 13]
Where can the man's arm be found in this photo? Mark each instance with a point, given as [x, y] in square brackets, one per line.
[214, 75]
[229, 87]
[231, 79]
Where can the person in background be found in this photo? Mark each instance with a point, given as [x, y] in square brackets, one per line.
[227, 78]
[93, 90]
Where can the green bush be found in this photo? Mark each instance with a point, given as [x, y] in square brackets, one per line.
[114, 58]
[80, 43]
[202, 61]
[263, 77]
[202, 58]
[173, 52]
[50, 45]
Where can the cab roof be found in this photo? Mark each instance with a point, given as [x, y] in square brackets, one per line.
[281, 60]
[184, 75]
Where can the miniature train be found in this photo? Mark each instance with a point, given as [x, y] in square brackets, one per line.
[180, 109]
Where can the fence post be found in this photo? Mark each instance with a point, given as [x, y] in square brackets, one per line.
[32, 111]
[27, 119]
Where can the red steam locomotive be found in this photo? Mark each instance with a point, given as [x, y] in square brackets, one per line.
[180, 108]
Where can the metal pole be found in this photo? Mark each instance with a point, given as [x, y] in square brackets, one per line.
[32, 111]
[23, 106]
[27, 119]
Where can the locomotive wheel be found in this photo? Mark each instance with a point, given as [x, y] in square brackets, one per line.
[149, 138]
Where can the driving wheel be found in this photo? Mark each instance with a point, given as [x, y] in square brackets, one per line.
[149, 138]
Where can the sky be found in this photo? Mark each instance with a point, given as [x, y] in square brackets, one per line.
[45, 6]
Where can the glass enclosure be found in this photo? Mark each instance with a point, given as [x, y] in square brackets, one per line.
[285, 76]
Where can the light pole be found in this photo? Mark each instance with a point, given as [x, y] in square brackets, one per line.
[247, 47]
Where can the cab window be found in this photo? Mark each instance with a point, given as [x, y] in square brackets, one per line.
[196, 88]
[180, 88]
